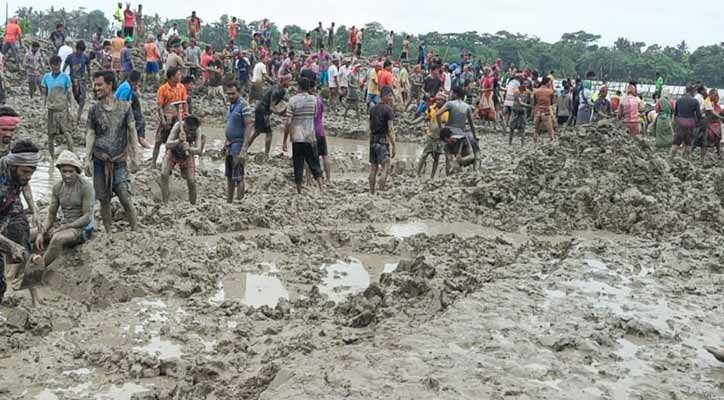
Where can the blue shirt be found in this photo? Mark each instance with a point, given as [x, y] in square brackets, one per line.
[78, 64]
[126, 59]
[124, 92]
[235, 127]
[50, 82]
[243, 67]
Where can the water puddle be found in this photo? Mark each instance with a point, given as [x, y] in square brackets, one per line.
[390, 268]
[165, 349]
[125, 392]
[433, 228]
[633, 369]
[344, 278]
[252, 289]
[78, 372]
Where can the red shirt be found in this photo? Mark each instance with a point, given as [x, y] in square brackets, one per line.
[205, 60]
[384, 78]
[12, 32]
[128, 19]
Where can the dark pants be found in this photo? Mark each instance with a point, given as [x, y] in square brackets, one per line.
[17, 229]
[301, 153]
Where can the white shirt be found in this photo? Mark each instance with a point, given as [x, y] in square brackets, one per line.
[63, 52]
[333, 73]
[342, 76]
[700, 99]
[259, 72]
[390, 39]
[447, 86]
[173, 32]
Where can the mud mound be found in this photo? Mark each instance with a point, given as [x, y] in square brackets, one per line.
[599, 178]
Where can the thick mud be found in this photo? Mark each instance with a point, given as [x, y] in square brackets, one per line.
[584, 269]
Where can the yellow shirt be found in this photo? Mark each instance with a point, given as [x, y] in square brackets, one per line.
[432, 128]
[372, 87]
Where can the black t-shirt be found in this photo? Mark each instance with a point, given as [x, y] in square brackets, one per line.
[688, 107]
[262, 112]
[380, 116]
[432, 85]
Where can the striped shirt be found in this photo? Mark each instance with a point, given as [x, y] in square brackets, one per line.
[302, 109]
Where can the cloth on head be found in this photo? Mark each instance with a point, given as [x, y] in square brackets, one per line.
[23, 159]
[9, 121]
[69, 158]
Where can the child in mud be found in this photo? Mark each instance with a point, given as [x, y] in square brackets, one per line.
[459, 151]
[433, 145]
[182, 147]
[519, 111]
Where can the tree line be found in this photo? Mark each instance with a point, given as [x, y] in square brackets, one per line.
[571, 56]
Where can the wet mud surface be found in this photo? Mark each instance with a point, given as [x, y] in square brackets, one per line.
[585, 269]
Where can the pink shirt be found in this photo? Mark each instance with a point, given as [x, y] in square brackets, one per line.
[205, 60]
[631, 109]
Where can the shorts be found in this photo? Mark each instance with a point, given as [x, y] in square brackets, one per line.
[57, 123]
[187, 165]
[373, 99]
[120, 180]
[262, 121]
[79, 91]
[487, 114]
[543, 121]
[431, 146]
[305, 152]
[684, 131]
[128, 31]
[162, 134]
[233, 171]
[256, 91]
[403, 56]
[322, 149]
[152, 67]
[379, 153]
[333, 93]
[562, 119]
[324, 78]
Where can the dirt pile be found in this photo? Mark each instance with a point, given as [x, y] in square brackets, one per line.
[599, 178]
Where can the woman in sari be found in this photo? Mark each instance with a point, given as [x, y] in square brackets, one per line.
[713, 118]
[585, 104]
[663, 124]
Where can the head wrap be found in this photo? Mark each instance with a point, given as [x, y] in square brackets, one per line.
[23, 159]
[69, 158]
[8, 121]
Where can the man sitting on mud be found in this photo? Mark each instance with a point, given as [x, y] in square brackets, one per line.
[16, 169]
[459, 151]
[182, 147]
[460, 113]
[75, 197]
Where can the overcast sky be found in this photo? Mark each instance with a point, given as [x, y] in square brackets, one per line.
[636, 20]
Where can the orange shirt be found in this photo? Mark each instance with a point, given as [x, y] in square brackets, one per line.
[12, 32]
[168, 94]
[384, 78]
[151, 52]
[116, 46]
[232, 31]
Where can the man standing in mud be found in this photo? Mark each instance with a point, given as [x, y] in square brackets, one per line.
[110, 142]
[171, 98]
[239, 126]
[182, 147]
[56, 87]
[79, 65]
[16, 169]
[75, 197]
[382, 140]
[300, 128]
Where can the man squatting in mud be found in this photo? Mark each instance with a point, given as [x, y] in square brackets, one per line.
[110, 142]
[462, 147]
[16, 169]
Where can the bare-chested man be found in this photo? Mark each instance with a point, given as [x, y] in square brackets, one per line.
[542, 103]
[75, 197]
[182, 147]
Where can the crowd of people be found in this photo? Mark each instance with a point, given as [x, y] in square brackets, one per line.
[447, 98]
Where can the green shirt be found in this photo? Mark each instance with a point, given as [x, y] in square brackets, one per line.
[659, 83]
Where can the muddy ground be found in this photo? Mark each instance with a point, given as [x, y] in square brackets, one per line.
[585, 269]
